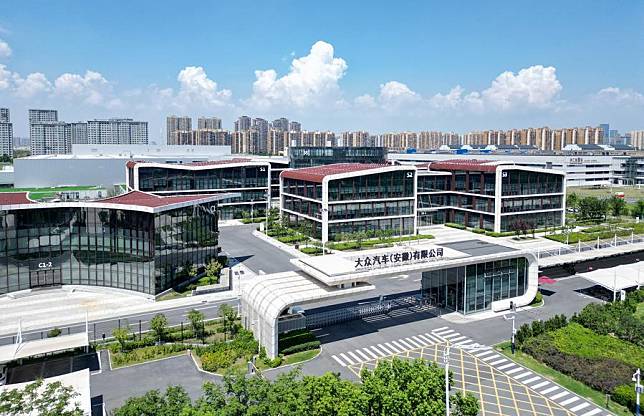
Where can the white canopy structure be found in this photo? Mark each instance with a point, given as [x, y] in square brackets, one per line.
[21, 350]
[617, 278]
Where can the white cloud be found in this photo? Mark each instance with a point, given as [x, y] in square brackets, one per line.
[366, 101]
[34, 84]
[618, 96]
[312, 80]
[194, 85]
[5, 50]
[394, 93]
[92, 88]
[536, 86]
[5, 78]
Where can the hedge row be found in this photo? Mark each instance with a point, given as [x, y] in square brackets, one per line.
[301, 347]
[454, 225]
[302, 337]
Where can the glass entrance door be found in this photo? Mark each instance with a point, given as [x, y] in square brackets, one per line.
[45, 278]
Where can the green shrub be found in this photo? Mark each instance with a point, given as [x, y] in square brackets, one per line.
[625, 395]
[53, 333]
[301, 347]
[478, 230]
[146, 354]
[275, 362]
[289, 239]
[296, 338]
[213, 361]
[501, 234]
[454, 225]
[311, 250]
[538, 298]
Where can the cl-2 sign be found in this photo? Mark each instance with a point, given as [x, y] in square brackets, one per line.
[45, 264]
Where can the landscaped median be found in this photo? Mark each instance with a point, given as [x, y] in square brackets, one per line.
[593, 354]
[601, 232]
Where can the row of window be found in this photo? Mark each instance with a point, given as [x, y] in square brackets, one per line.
[164, 179]
[531, 204]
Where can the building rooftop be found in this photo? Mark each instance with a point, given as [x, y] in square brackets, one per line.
[318, 173]
[132, 163]
[134, 200]
[468, 165]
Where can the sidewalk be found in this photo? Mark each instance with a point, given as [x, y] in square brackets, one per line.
[282, 246]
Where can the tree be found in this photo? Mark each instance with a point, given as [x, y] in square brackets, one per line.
[159, 324]
[637, 210]
[572, 201]
[617, 206]
[174, 402]
[121, 335]
[53, 399]
[228, 314]
[464, 404]
[213, 270]
[196, 321]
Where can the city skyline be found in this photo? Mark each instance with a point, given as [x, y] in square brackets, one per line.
[504, 74]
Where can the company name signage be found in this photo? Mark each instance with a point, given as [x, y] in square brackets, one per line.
[397, 258]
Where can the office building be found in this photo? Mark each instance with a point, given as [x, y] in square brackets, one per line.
[337, 199]
[117, 131]
[249, 180]
[209, 123]
[243, 123]
[302, 157]
[489, 195]
[6, 133]
[135, 241]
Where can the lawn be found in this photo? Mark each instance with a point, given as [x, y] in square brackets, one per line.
[40, 193]
[290, 359]
[640, 311]
[629, 192]
[571, 384]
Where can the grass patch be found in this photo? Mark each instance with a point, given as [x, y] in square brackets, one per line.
[370, 243]
[173, 294]
[639, 313]
[298, 357]
[571, 384]
[145, 354]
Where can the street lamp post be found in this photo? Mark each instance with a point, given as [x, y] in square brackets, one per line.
[514, 331]
[638, 389]
[638, 274]
[446, 362]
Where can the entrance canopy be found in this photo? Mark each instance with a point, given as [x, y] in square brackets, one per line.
[28, 349]
[616, 278]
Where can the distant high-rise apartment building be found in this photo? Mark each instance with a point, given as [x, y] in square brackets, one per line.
[261, 126]
[6, 133]
[356, 139]
[400, 141]
[280, 124]
[294, 126]
[246, 141]
[49, 138]
[243, 123]
[277, 141]
[77, 132]
[209, 123]
[637, 139]
[174, 124]
[42, 116]
[117, 131]
[605, 127]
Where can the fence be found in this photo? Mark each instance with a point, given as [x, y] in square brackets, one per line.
[581, 247]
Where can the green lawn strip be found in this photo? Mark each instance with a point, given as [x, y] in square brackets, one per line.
[639, 313]
[172, 294]
[142, 355]
[290, 359]
[563, 380]
[55, 189]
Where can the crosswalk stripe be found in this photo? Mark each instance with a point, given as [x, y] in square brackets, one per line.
[442, 332]
[592, 412]
[484, 353]
[339, 361]
[462, 337]
[538, 386]
[420, 340]
[490, 357]
[413, 343]
[427, 340]
[502, 360]
[370, 353]
[549, 390]
[527, 373]
[559, 395]
[358, 359]
[362, 354]
[531, 380]
[380, 353]
[448, 336]
[462, 342]
[570, 400]
[395, 347]
[504, 366]
[386, 349]
[434, 337]
[402, 344]
[440, 329]
[579, 407]
[514, 370]
[345, 358]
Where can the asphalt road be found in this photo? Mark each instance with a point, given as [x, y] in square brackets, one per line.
[259, 256]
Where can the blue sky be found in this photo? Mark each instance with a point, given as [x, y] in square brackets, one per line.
[378, 66]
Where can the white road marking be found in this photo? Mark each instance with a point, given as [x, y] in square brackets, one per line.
[345, 358]
[370, 353]
[514, 370]
[420, 341]
[414, 343]
[527, 373]
[490, 357]
[363, 355]
[339, 361]
[549, 390]
[427, 340]
[484, 353]
[354, 356]
[403, 344]
[559, 395]
[504, 366]
[462, 337]
[592, 412]
[448, 336]
[440, 329]
[502, 360]
[395, 347]
[380, 353]
[531, 380]
[579, 407]
[433, 337]
[442, 333]
[385, 349]
[570, 400]
[538, 386]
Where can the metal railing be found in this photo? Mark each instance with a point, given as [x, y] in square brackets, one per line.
[598, 244]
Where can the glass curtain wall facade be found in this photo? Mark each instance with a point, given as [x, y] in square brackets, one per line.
[473, 288]
[252, 182]
[94, 246]
[302, 157]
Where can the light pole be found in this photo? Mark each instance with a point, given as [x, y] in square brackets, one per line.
[638, 389]
[514, 331]
[324, 220]
[446, 362]
[638, 274]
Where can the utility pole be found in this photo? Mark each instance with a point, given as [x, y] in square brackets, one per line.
[638, 390]
[514, 331]
[446, 362]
